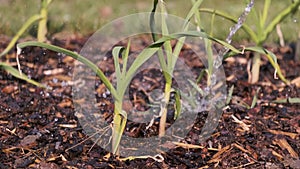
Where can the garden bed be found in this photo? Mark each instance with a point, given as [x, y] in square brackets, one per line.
[39, 128]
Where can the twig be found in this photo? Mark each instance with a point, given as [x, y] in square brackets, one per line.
[244, 165]
[158, 158]
[292, 135]
[192, 146]
[283, 144]
[215, 158]
[243, 125]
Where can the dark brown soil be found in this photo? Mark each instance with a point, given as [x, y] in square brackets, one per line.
[39, 129]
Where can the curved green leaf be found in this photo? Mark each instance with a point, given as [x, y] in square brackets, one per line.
[231, 18]
[116, 53]
[75, 56]
[17, 74]
[192, 34]
[26, 25]
[271, 57]
[290, 100]
[281, 16]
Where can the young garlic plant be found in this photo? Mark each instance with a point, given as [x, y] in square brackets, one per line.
[124, 76]
[261, 35]
[41, 37]
[172, 55]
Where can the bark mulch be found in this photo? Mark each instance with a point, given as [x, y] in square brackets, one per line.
[39, 129]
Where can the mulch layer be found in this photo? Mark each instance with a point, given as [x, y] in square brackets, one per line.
[39, 129]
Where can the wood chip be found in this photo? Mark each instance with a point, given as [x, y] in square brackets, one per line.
[283, 144]
[231, 77]
[45, 165]
[192, 146]
[241, 148]
[29, 140]
[292, 135]
[53, 71]
[244, 165]
[296, 82]
[32, 90]
[216, 157]
[65, 103]
[68, 59]
[244, 126]
[13, 131]
[63, 158]
[204, 167]
[3, 122]
[277, 155]
[9, 89]
[59, 77]
[68, 125]
[240, 60]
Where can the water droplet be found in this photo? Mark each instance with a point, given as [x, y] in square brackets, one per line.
[48, 87]
[64, 83]
[54, 80]
[206, 91]
[295, 20]
[217, 62]
[213, 79]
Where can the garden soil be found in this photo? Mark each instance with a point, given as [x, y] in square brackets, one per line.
[39, 129]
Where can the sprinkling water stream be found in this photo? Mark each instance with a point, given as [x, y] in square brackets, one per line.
[241, 20]
[214, 96]
[232, 32]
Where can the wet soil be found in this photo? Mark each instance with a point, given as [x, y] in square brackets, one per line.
[39, 128]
